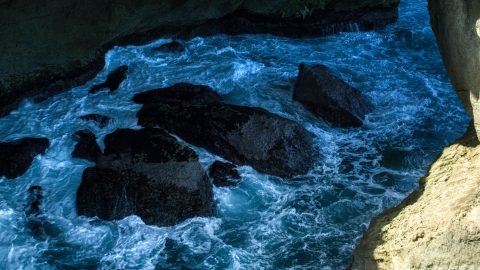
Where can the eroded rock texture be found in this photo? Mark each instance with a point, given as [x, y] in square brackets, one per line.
[147, 173]
[243, 135]
[17, 156]
[435, 227]
[456, 24]
[328, 97]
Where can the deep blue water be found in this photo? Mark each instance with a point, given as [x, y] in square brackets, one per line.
[313, 222]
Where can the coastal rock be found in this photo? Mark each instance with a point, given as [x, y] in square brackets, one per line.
[58, 45]
[243, 135]
[147, 173]
[100, 120]
[327, 96]
[87, 146]
[113, 81]
[17, 156]
[171, 47]
[37, 223]
[456, 24]
[436, 226]
[223, 174]
[180, 92]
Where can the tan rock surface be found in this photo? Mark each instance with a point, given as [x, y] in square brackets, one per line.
[435, 227]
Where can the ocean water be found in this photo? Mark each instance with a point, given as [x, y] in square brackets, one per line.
[312, 221]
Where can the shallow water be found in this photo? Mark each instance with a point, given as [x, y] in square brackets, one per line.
[312, 222]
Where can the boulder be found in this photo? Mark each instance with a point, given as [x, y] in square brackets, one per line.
[244, 135]
[327, 96]
[172, 47]
[37, 223]
[180, 92]
[87, 146]
[17, 156]
[113, 81]
[223, 174]
[147, 173]
[100, 120]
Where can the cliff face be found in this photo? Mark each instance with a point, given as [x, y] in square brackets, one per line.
[51, 46]
[438, 226]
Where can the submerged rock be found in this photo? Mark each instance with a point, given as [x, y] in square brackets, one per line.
[37, 223]
[172, 47]
[244, 135]
[17, 156]
[223, 174]
[327, 96]
[180, 92]
[100, 120]
[113, 81]
[87, 146]
[147, 173]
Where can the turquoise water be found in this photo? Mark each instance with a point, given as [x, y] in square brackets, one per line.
[311, 222]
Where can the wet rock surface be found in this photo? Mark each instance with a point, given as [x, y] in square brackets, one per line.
[224, 174]
[87, 146]
[327, 96]
[147, 173]
[17, 156]
[243, 135]
[180, 92]
[113, 81]
[100, 120]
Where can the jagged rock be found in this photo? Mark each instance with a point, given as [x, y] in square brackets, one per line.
[17, 156]
[100, 120]
[147, 173]
[327, 96]
[223, 174]
[37, 223]
[87, 146]
[172, 47]
[113, 81]
[244, 135]
[180, 92]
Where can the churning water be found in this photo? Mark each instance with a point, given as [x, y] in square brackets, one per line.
[312, 222]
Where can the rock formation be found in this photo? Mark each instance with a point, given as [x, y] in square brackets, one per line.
[17, 156]
[243, 135]
[328, 97]
[171, 47]
[147, 173]
[435, 227]
[87, 147]
[58, 45]
[223, 174]
[113, 81]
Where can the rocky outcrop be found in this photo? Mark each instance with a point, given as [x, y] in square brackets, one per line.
[50, 47]
[243, 135]
[147, 173]
[456, 24]
[87, 146]
[223, 174]
[171, 47]
[113, 81]
[17, 156]
[180, 92]
[328, 97]
[435, 227]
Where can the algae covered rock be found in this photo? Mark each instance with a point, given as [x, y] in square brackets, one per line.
[147, 173]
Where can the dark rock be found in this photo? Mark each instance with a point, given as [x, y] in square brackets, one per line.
[34, 200]
[17, 156]
[37, 223]
[172, 47]
[223, 174]
[147, 173]
[113, 80]
[100, 120]
[180, 92]
[327, 96]
[244, 135]
[87, 146]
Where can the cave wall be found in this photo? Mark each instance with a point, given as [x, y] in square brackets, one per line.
[456, 24]
[50, 46]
